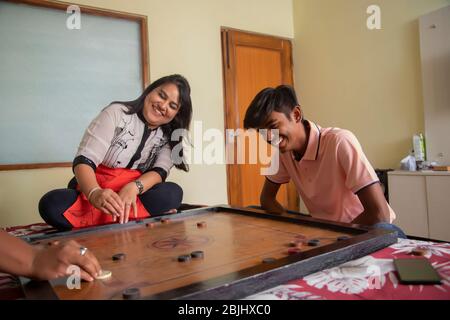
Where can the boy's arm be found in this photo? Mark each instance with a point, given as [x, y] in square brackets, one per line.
[360, 178]
[268, 197]
[375, 206]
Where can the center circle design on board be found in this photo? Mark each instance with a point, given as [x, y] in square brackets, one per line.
[180, 241]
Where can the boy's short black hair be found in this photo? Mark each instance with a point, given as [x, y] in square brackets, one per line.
[280, 99]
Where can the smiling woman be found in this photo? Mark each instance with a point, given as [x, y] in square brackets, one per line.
[124, 159]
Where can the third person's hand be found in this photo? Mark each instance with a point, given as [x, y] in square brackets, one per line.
[53, 261]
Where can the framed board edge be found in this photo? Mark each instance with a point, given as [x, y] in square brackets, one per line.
[243, 283]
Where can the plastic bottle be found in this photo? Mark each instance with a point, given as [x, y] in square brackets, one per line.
[419, 149]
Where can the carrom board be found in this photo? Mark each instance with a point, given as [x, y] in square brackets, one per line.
[235, 241]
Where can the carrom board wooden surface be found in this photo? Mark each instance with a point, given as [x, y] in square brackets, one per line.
[234, 242]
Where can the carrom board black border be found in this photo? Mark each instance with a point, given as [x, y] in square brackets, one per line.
[245, 282]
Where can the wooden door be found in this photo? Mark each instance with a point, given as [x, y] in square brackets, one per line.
[252, 62]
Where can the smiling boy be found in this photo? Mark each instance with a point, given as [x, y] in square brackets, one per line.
[327, 165]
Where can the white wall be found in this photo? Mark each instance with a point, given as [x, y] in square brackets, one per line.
[367, 81]
[435, 57]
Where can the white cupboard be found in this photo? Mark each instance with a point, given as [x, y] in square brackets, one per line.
[421, 201]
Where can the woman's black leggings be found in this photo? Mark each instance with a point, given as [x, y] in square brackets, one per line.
[157, 200]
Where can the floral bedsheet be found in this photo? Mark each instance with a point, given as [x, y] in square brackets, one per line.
[371, 277]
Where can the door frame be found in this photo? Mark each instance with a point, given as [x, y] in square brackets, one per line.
[231, 38]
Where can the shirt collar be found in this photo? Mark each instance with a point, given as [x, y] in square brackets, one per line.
[141, 117]
[312, 149]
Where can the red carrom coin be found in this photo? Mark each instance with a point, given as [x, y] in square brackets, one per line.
[293, 251]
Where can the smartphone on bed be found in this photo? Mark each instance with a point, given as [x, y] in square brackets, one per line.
[416, 271]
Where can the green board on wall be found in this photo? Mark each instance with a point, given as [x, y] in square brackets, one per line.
[55, 80]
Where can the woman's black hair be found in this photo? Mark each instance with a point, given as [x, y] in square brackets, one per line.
[281, 99]
[182, 120]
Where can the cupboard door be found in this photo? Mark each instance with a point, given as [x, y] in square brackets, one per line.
[408, 198]
[438, 190]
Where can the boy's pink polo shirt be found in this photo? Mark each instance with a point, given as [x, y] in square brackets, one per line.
[333, 169]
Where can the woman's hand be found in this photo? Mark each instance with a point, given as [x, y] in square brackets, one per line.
[108, 202]
[128, 194]
[53, 262]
